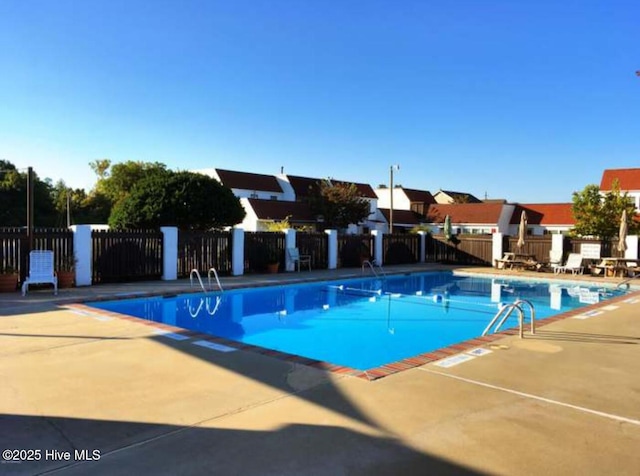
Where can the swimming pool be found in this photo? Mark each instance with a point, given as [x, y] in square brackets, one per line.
[360, 323]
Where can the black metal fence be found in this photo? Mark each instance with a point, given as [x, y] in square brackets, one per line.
[126, 255]
[203, 250]
[316, 246]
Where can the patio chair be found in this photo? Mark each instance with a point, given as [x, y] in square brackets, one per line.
[573, 264]
[298, 259]
[40, 270]
[555, 259]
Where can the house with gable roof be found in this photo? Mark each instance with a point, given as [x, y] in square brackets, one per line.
[628, 181]
[472, 218]
[543, 218]
[274, 198]
[304, 187]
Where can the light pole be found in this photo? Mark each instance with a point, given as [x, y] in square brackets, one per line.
[391, 169]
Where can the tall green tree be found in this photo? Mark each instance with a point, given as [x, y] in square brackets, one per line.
[83, 208]
[13, 196]
[599, 215]
[183, 199]
[340, 204]
[116, 181]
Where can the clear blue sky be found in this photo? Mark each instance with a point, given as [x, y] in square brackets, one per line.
[523, 100]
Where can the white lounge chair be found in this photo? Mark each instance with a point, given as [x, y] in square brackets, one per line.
[40, 270]
[555, 259]
[573, 264]
[298, 259]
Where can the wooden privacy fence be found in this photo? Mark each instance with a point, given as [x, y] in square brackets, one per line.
[316, 246]
[203, 250]
[401, 248]
[263, 247]
[462, 249]
[538, 246]
[14, 252]
[354, 249]
[126, 255]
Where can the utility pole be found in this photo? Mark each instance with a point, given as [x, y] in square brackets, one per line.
[396, 167]
[29, 209]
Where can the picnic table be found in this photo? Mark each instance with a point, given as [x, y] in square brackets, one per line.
[520, 261]
[612, 266]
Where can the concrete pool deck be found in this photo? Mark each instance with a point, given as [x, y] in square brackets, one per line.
[565, 401]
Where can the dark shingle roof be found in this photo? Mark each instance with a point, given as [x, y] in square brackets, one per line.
[421, 196]
[303, 185]
[280, 209]
[403, 217]
[249, 181]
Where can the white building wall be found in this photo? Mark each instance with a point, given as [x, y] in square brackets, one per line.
[250, 222]
[289, 194]
[400, 199]
[505, 218]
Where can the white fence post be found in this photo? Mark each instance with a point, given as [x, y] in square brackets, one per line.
[332, 248]
[557, 244]
[289, 242]
[237, 258]
[423, 246]
[169, 253]
[632, 247]
[496, 248]
[82, 250]
[377, 239]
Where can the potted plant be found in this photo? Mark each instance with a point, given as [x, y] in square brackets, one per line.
[8, 279]
[67, 272]
[273, 260]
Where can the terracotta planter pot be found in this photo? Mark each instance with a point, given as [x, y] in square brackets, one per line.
[66, 279]
[8, 283]
[273, 267]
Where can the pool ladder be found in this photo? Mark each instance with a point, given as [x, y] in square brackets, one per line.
[628, 280]
[212, 271]
[505, 312]
[373, 265]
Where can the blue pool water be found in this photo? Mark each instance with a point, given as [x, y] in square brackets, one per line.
[360, 323]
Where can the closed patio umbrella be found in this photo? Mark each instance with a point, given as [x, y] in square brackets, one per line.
[447, 230]
[522, 229]
[622, 234]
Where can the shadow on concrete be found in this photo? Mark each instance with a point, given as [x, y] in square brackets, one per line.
[542, 334]
[300, 381]
[142, 448]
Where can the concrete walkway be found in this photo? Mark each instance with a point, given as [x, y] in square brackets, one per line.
[565, 401]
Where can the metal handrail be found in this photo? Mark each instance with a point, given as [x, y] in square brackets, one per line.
[626, 281]
[506, 311]
[215, 273]
[372, 265]
[197, 274]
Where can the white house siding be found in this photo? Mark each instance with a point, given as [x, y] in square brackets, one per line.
[400, 199]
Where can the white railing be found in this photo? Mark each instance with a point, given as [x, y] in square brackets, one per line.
[507, 310]
[372, 265]
[212, 271]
